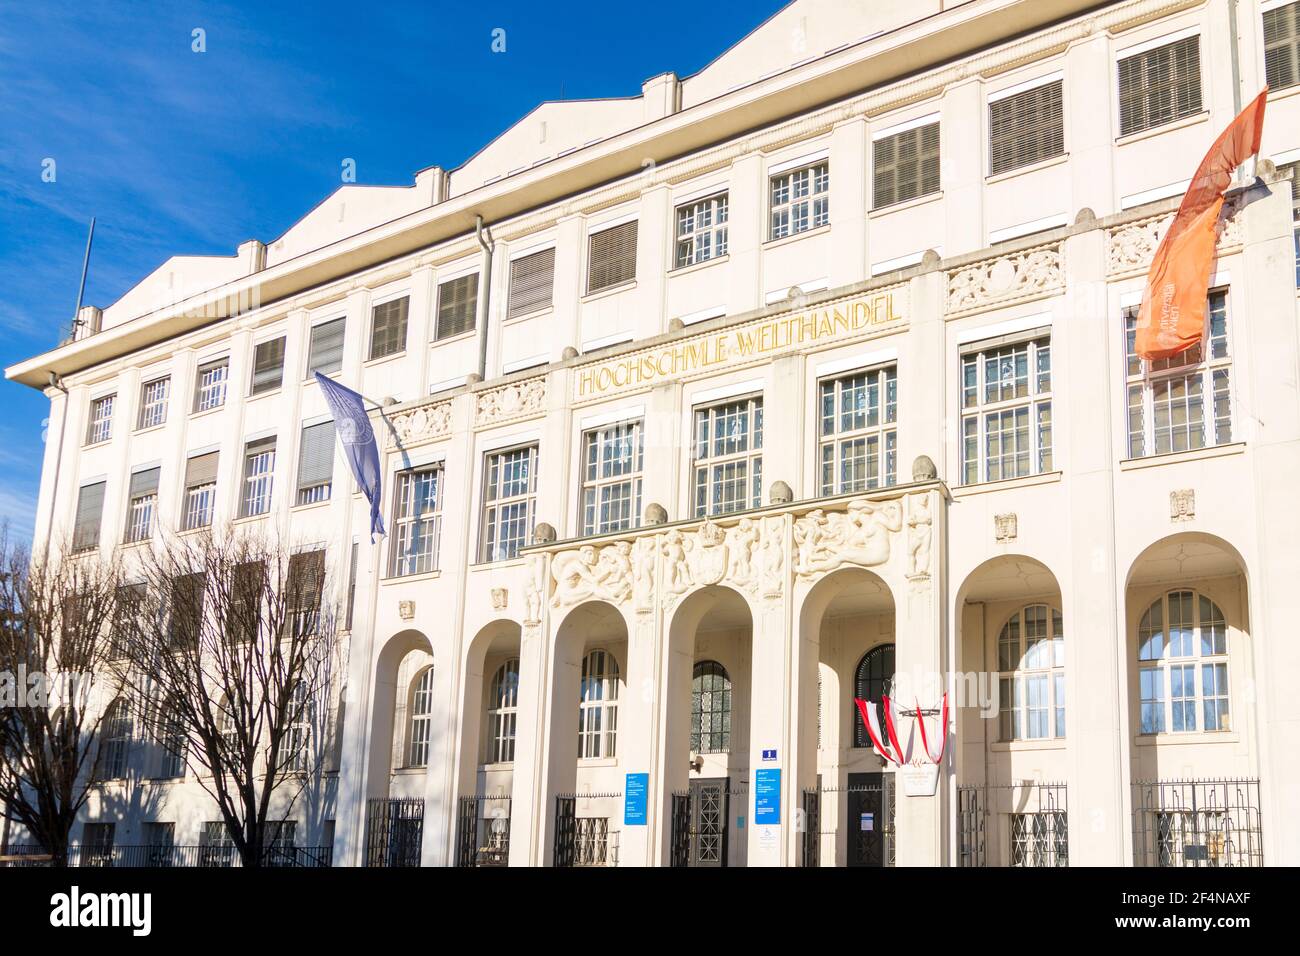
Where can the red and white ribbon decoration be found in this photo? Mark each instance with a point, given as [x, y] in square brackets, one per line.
[897, 756]
[943, 728]
[869, 719]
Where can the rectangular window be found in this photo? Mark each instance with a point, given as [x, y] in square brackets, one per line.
[905, 165]
[859, 440]
[315, 463]
[388, 328]
[306, 583]
[153, 402]
[210, 385]
[1282, 46]
[1183, 402]
[728, 456]
[611, 484]
[173, 742]
[611, 257]
[325, 351]
[1294, 169]
[352, 585]
[702, 230]
[417, 520]
[186, 620]
[1006, 410]
[800, 200]
[509, 501]
[457, 306]
[1151, 688]
[97, 844]
[1026, 128]
[90, 514]
[101, 420]
[532, 281]
[259, 468]
[1159, 86]
[268, 366]
[200, 491]
[143, 504]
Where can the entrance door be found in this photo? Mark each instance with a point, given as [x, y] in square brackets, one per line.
[709, 807]
[870, 820]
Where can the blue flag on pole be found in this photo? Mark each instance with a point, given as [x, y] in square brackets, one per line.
[352, 425]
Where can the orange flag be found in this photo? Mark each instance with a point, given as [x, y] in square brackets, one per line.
[1172, 317]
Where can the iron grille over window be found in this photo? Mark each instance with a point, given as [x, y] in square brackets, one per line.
[1026, 128]
[101, 420]
[1159, 86]
[728, 457]
[1282, 46]
[388, 328]
[859, 441]
[800, 200]
[710, 708]
[325, 353]
[457, 305]
[316, 463]
[905, 165]
[702, 230]
[1197, 823]
[268, 366]
[611, 257]
[210, 385]
[532, 281]
[153, 402]
[90, 514]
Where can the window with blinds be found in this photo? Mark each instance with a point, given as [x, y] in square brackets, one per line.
[457, 304]
[532, 279]
[388, 328]
[1282, 46]
[1159, 86]
[316, 463]
[1026, 128]
[325, 351]
[268, 365]
[200, 491]
[905, 165]
[1294, 169]
[259, 470]
[90, 513]
[142, 504]
[611, 257]
[153, 402]
[210, 385]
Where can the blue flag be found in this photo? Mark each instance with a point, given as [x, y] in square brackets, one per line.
[352, 425]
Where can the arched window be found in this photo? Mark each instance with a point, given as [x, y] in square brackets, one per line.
[871, 682]
[503, 709]
[1031, 675]
[1183, 665]
[598, 708]
[710, 708]
[115, 733]
[419, 719]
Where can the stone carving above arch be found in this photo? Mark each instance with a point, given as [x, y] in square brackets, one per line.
[508, 402]
[860, 535]
[1131, 247]
[1010, 278]
[591, 573]
[424, 423]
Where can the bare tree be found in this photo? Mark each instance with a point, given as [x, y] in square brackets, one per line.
[233, 648]
[57, 675]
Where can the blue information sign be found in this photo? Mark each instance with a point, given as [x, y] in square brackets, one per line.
[634, 799]
[767, 797]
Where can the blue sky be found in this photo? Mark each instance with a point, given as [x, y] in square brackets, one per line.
[178, 152]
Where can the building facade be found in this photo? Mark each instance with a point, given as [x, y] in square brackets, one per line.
[705, 411]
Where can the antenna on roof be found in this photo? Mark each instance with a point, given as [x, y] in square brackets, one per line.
[81, 291]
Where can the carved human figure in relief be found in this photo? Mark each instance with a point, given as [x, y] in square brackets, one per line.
[614, 571]
[535, 592]
[643, 572]
[575, 575]
[677, 575]
[741, 542]
[772, 555]
[919, 527]
[858, 536]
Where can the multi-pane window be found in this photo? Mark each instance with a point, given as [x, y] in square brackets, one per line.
[1040, 839]
[127, 620]
[1294, 169]
[97, 844]
[611, 486]
[1282, 46]
[173, 741]
[315, 463]
[142, 505]
[858, 437]
[306, 581]
[160, 838]
[90, 515]
[420, 721]
[186, 612]
[1159, 86]
[268, 366]
[325, 351]
[259, 469]
[1007, 410]
[509, 498]
[532, 282]
[1183, 665]
[294, 751]
[503, 712]
[1183, 402]
[200, 491]
[388, 328]
[1026, 127]
[153, 402]
[116, 731]
[710, 708]
[611, 257]
[598, 706]
[905, 165]
[417, 520]
[101, 420]
[702, 230]
[1031, 675]
[871, 682]
[800, 200]
[210, 385]
[457, 306]
[728, 456]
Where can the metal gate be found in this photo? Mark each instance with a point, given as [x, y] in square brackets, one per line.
[1197, 823]
[585, 840]
[971, 823]
[566, 815]
[394, 831]
[482, 831]
[700, 823]
[856, 820]
[1017, 824]
[811, 839]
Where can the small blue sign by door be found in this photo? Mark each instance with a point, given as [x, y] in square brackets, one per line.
[767, 797]
[634, 799]
[769, 754]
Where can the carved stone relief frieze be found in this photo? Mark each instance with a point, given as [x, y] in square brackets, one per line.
[860, 535]
[1131, 247]
[1009, 278]
[421, 424]
[511, 401]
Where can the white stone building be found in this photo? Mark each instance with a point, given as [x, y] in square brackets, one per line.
[710, 408]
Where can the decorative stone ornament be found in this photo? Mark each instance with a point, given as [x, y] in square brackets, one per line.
[1004, 527]
[1021, 275]
[860, 535]
[543, 533]
[655, 513]
[406, 610]
[500, 598]
[1182, 505]
[780, 493]
[923, 468]
[421, 424]
[508, 402]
